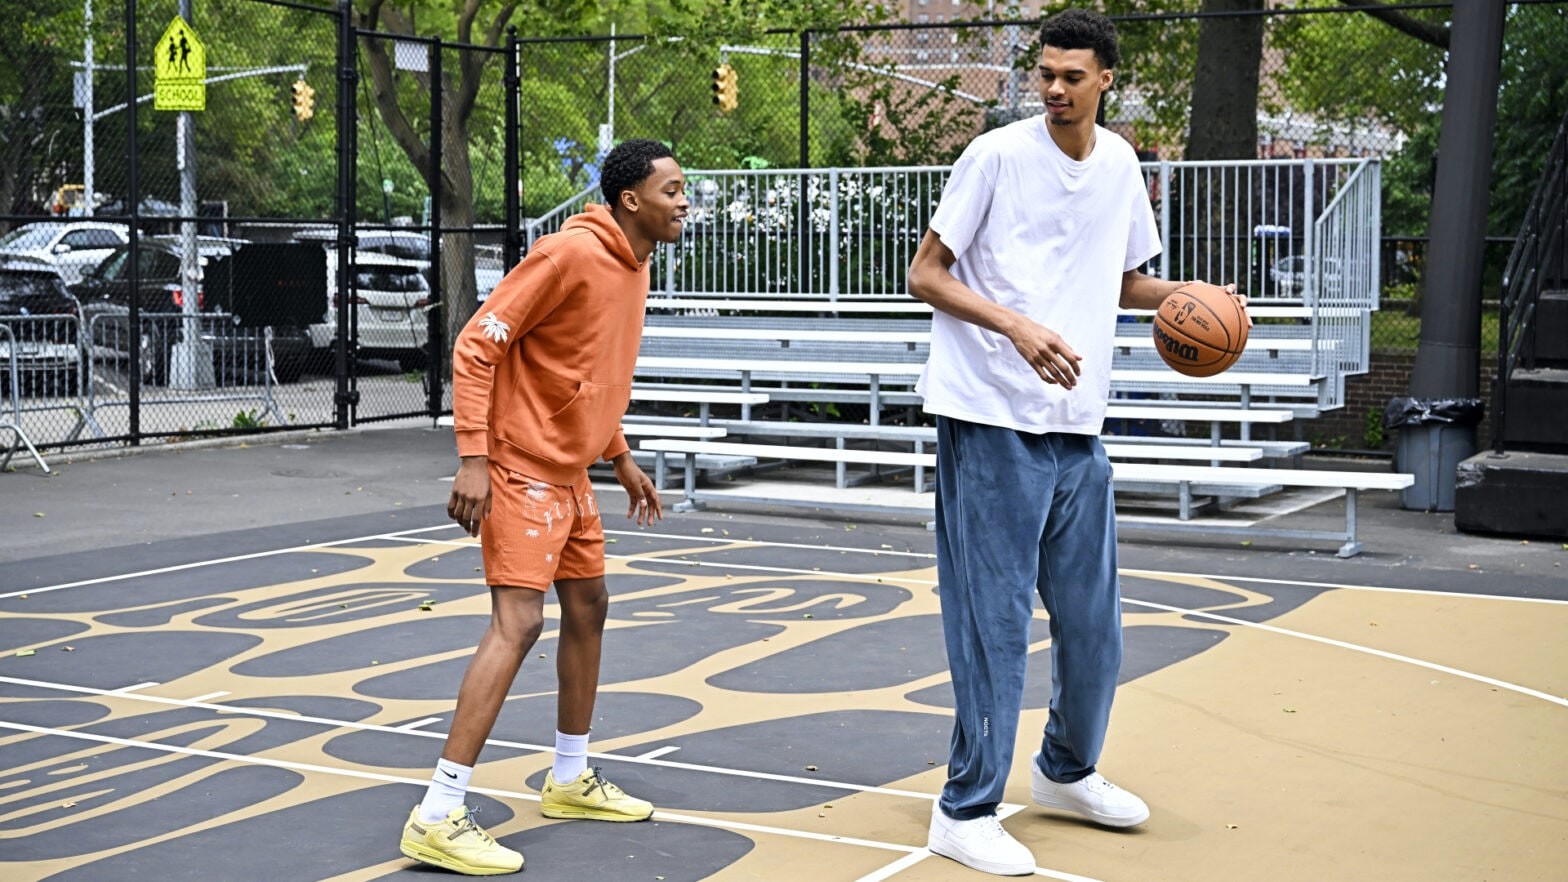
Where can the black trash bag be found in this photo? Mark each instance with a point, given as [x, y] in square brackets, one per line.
[1403, 412]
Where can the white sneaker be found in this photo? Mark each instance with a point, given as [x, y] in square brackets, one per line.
[1093, 797]
[980, 843]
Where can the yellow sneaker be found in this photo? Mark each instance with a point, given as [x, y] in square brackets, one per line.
[459, 845]
[591, 797]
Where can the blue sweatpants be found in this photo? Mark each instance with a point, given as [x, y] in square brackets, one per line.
[1018, 513]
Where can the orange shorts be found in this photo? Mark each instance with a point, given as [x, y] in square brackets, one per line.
[539, 532]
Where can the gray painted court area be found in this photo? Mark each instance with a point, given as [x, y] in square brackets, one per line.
[264, 669]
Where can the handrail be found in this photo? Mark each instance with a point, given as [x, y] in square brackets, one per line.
[1536, 254]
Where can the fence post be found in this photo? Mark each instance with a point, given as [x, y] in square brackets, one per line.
[510, 248]
[1309, 273]
[436, 319]
[348, 77]
[805, 99]
[833, 258]
[133, 257]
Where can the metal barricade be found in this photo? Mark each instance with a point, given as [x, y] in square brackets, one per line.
[10, 400]
[43, 368]
[182, 363]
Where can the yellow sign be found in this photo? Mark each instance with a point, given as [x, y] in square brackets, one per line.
[179, 67]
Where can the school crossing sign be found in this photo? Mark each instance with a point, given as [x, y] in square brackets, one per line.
[179, 68]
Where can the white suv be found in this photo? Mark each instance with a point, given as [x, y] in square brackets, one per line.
[391, 305]
[72, 246]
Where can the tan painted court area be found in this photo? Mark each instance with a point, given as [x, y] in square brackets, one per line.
[267, 705]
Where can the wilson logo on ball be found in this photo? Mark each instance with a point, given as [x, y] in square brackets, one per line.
[1173, 348]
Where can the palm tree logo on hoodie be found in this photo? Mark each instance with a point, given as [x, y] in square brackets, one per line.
[494, 328]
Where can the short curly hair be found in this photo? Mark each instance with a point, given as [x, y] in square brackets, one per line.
[1083, 29]
[629, 164]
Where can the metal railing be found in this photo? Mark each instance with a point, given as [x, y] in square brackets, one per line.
[11, 399]
[1279, 228]
[1536, 260]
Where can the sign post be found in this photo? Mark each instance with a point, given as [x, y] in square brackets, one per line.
[180, 84]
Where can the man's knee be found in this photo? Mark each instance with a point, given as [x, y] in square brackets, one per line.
[517, 615]
[583, 601]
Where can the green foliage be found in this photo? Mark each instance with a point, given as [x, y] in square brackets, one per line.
[1532, 100]
[248, 419]
[1372, 438]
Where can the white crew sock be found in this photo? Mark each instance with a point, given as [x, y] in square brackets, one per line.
[571, 756]
[448, 786]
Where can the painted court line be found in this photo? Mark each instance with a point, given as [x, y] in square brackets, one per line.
[1427, 592]
[417, 724]
[673, 817]
[134, 688]
[403, 535]
[1354, 647]
[658, 752]
[196, 564]
[208, 697]
[493, 742]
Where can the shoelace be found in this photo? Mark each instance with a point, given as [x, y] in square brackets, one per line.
[468, 825]
[991, 827]
[596, 781]
[1098, 784]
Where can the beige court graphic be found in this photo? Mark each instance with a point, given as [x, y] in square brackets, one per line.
[784, 701]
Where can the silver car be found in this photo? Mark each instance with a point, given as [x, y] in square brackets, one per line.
[73, 247]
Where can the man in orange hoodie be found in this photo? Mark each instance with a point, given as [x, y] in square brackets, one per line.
[541, 377]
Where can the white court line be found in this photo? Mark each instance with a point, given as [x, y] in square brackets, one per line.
[1429, 592]
[1480, 678]
[208, 697]
[515, 745]
[214, 561]
[133, 688]
[1355, 647]
[658, 752]
[673, 817]
[729, 540]
[403, 534]
[896, 867]
[417, 724]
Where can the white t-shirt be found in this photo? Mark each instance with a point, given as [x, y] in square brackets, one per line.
[1049, 237]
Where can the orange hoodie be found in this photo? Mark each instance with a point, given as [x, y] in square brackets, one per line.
[542, 373]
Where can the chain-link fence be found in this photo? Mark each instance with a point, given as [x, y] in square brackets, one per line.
[145, 238]
[156, 242]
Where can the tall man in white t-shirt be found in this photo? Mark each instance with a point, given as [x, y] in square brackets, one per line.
[1038, 238]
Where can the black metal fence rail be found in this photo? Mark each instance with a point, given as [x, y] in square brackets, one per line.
[1537, 260]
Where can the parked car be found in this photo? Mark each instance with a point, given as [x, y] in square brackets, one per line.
[72, 246]
[1289, 275]
[391, 304]
[105, 294]
[415, 247]
[42, 317]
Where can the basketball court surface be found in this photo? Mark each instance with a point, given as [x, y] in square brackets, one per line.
[266, 703]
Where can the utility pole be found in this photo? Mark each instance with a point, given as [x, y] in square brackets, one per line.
[190, 360]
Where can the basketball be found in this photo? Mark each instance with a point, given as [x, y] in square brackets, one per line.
[1200, 330]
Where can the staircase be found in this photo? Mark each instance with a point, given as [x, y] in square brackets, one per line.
[1520, 485]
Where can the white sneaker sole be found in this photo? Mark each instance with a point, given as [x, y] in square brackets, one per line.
[948, 850]
[1051, 800]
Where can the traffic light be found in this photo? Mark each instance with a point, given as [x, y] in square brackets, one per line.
[725, 92]
[304, 98]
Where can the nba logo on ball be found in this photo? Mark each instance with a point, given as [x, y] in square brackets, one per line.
[1200, 330]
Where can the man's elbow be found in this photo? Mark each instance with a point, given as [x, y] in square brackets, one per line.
[919, 279]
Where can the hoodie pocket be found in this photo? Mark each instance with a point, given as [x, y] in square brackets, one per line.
[581, 429]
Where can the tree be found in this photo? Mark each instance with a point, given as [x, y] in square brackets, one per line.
[477, 26]
[37, 42]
